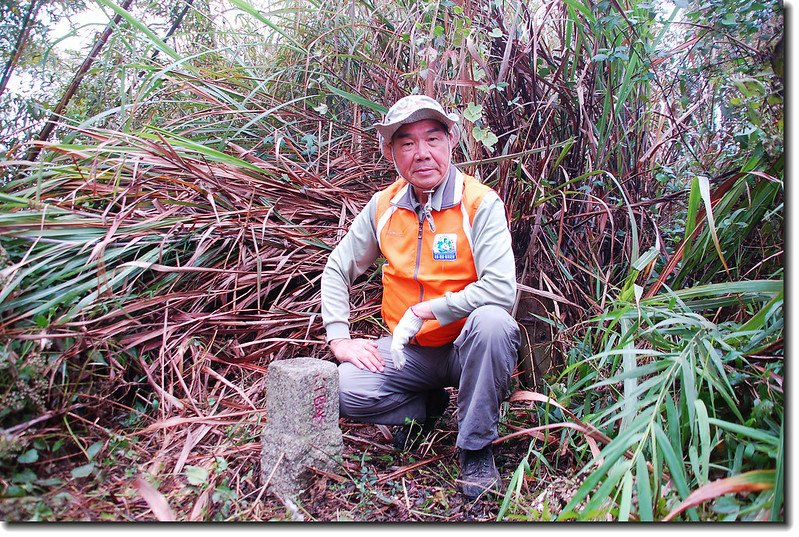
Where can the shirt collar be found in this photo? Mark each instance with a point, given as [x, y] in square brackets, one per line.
[443, 197]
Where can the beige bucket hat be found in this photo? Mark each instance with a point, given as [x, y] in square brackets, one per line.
[409, 110]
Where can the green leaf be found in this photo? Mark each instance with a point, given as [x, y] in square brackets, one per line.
[779, 483]
[754, 434]
[645, 259]
[753, 481]
[83, 471]
[254, 12]
[28, 457]
[729, 20]
[357, 99]
[704, 191]
[26, 475]
[625, 503]
[94, 449]
[630, 383]
[609, 456]
[688, 369]
[676, 468]
[163, 47]
[196, 475]
[644, 490]
[757, 322]
[705, 446]
[485, 136]
[473, 112]
[601, 497]
[514, 488]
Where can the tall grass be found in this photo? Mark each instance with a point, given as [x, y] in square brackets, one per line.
[708, 400]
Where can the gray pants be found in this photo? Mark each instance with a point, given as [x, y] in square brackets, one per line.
[479, 363]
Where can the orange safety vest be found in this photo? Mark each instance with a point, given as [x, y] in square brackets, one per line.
[422, 264]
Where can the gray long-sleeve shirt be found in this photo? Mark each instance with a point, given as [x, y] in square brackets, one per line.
[491, 250]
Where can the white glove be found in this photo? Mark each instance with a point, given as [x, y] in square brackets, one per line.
[408, 327]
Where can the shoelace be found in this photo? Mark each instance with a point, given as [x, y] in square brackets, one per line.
[478, 464]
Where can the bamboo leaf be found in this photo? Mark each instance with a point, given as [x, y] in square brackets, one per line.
[674, 418]
[357, 99]
[675, 465]
[757, 321]
[754, 481]
[630, 382]
[251, 10]
[779, 485]
[626, 500]
[514, 488]
[704, 191]
[608, 457]
[692, 211]
[155, 500]
[750, 432]
[600, 500]
[154, 39]
[688, 370]
[644, 489]
[705, 447]
[634, 247]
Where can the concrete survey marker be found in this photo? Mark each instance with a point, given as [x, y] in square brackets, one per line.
[301, 423]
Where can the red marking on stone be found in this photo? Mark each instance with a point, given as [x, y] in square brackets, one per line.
[319, 405]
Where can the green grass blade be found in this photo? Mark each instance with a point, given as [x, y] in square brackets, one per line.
[254, 12]
[135, 23]
[676, 467]
[753, 481]
[690, 218]
[644, 489]
[626, 500]
[705, 447]
[749, 432]
[357, 99]
[704, 191]
[779, 485]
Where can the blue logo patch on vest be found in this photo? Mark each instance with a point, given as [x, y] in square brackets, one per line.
[445, 247]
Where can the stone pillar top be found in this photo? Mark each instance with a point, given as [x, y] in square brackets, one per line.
[301, 422]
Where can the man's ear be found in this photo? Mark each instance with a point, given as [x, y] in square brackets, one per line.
[454, 135]
[385, 148]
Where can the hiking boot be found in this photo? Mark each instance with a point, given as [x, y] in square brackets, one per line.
[478, 472]
[409, 436]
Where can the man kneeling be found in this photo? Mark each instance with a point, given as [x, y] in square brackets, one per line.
[449, 282]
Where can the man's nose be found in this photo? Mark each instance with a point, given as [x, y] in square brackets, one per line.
[423, 151]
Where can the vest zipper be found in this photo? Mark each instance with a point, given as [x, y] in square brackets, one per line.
[419, 259]
[414, 340]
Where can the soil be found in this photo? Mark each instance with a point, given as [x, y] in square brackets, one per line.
[384, 485]
[218, 478]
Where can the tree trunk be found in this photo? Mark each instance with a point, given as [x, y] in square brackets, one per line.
[33, 152]
[30, 16]
[178, 20]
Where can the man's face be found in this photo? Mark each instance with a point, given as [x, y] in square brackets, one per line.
[422, 152]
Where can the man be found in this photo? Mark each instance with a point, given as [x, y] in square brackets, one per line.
[448, 283]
